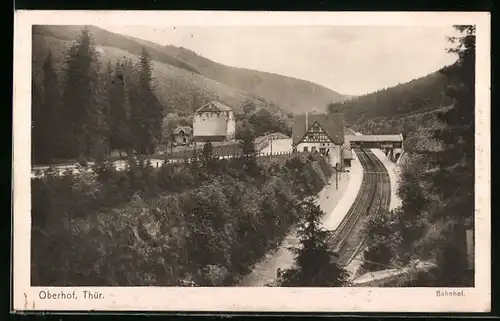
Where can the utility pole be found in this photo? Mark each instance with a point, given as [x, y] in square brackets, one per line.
[172, 144]
[336, 176]
[339, 165]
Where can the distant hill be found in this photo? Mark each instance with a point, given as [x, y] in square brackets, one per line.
[401, 108]
[109, 39]
[178, 90]
[186, 79]
[292, 94]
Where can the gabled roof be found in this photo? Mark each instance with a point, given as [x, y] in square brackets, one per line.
[333, 124]
[275, 136]
[260, 139]
[213, 106]
[186, 129]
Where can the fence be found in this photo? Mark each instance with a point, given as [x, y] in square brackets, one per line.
[120, 165]
[188, 158]
[226, 151]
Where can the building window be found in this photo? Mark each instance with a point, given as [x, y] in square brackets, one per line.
[313, 149]
[322, 150]
[305, 149]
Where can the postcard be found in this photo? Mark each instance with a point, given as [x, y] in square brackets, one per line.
[206, 161]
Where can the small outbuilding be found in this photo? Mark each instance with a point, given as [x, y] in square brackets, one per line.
[183, 135]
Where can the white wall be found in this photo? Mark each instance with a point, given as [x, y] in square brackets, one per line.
[279, 146]
[209, 124]
[335, 155]
[300, 147]
[231, 126]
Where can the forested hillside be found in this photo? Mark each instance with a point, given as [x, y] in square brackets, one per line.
[107, 39]
[291, 94]
[436, 185]
[182, 73]
[178, 89]
[205, 220]
[88, 100]
[85, 107]
[398, 109]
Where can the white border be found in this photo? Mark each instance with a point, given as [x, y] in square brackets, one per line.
[248, 299]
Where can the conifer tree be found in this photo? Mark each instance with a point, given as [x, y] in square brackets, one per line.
[102, 146]
[248, 152]
[118, 109]
[454, 182]
[315, 265]
[45, 111]
[80, 104]
[38, 133]
[207, 157]
[147, 110]
[130, 80]
[51, 106]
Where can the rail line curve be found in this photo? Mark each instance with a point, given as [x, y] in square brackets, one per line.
[373, 199]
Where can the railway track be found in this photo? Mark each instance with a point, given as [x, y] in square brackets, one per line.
[373, 198]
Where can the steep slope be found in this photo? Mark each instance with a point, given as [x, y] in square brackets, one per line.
[108, 39]
[401, 108]
[290, 94]
[177, 88]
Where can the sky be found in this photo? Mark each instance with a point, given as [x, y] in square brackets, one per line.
[352, 60]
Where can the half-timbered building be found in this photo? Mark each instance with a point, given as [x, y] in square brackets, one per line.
[319, 133]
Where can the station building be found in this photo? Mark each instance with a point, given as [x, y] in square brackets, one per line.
[319, 133]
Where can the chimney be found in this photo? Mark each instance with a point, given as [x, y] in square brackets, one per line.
[307, 123]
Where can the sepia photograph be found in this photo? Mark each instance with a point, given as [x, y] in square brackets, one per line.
[252, 156]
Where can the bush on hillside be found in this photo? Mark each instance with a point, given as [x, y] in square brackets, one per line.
[206, 229]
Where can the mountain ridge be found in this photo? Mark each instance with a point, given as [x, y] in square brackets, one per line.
[399, 109]
[252, 81]
[289, 93]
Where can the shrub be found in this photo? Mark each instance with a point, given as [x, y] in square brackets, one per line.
[147, 226]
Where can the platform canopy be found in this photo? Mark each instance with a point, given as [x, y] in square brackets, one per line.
[375, 141]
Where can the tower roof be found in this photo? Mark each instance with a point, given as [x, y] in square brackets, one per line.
[213, 106]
